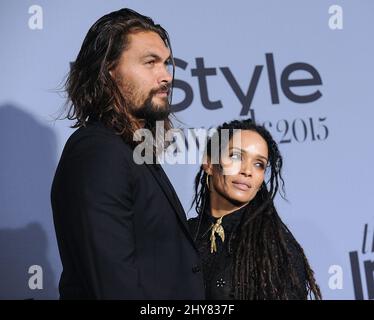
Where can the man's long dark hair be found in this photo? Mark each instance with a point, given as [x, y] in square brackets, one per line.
[262, 267]
[92, 93]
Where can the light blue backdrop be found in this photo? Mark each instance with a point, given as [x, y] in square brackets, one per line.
[328, 176]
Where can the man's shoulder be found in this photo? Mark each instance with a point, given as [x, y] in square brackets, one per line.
[95, 135]
[95, 143]
[95, 130]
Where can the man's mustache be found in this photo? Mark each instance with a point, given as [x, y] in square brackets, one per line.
[162, 88]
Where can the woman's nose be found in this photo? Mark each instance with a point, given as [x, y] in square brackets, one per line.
[246, 169]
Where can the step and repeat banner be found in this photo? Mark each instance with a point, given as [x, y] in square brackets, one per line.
[304, 69]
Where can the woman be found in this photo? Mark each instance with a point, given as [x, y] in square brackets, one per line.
[246, 249]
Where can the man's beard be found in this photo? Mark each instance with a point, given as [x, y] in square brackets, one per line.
[150, 111]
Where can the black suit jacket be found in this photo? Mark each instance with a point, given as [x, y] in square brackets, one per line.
[121, 230]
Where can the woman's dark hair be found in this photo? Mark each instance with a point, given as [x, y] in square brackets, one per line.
[262, 266]
[92, 93]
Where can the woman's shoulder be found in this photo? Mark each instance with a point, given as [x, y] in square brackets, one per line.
[296, 253]
[193, 223]
[297, 261]
[193, 220]
[293, 245]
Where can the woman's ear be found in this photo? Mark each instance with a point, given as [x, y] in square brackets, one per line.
[208, 168]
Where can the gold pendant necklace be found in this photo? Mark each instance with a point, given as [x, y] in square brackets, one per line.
[216, 228]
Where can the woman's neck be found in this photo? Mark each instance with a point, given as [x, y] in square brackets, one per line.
[221, 207]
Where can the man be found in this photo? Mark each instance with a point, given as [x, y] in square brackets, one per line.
[121, 230]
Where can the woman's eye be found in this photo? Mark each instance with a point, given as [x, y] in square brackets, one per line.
[236, 156]
[260, 165]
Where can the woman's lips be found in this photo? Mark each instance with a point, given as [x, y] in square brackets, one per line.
[241, 186]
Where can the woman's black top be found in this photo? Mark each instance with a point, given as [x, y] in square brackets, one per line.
[217, 266]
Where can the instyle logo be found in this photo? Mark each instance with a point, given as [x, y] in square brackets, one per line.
[365, 263]
[286, 82]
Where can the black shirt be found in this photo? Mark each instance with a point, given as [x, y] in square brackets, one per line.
[217, 266]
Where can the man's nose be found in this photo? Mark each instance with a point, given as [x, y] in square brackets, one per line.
[165, 75]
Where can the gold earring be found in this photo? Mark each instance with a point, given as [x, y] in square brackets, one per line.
[207, 181]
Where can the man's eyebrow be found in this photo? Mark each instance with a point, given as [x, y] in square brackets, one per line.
[155, 56]
[150, 54]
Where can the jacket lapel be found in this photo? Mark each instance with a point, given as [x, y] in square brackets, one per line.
[166, 186]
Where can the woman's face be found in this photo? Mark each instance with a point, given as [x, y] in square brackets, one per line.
[241, 172]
